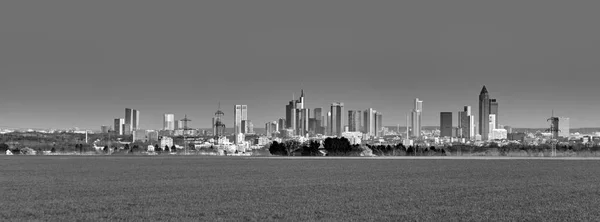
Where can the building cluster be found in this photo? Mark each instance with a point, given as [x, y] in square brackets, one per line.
[359, 126]
[300, 122]
[129, 124]
[489, 127]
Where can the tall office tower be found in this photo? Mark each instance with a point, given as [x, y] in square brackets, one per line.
[169, 122]
[290, 115]
[416, 118]
[492, 122]
[318, 116]
[302, 123]
[328, 128]
[378, 124]
[127, 129]
[355, 120]
[466, 124]
[129, 120]
[244, 127]
[352, 120]
[494, 110]
[218, 124]
[119, 124]
[359, 121]
[136, 119]
[300, 101]
[271, 128]
[369, 122]
[239, 114]
[484, 114]
[337, 119]
[446, 124]
[281, 124]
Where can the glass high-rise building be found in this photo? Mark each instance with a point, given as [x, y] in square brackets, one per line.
[378, 124]
[119, 126]
[369, 122]
[239, 114]
[487, 106]
[136, 120]
[446, 124]
[466, 124]
[337, 119]
[168, 122]
[416, 118]
[484, 113]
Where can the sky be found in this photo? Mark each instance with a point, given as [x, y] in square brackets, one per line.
[70, 64]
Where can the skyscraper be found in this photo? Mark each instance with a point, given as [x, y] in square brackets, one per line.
[378, 124]
[484, 113]
[494, 110]
[352, 120]
[359, 121]
[446, 124]
[318, 116]
[136, 120]
[271, 128]
[337, 119]
[416, 118]
[290, 115]
[487, 106]
[128, 120]
[328, 128]
[239, 114]
[466, 124]
[302, 123]
[169, 122]
[282, 125]
[119, 126]
[369, 122]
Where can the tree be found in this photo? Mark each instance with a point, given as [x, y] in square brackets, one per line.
[174, 149]
[312, 149]
[4, 147]
[156, 147]
[53, 150]
[105, 149]
[276, 149]
[291, 146]
[127, 147]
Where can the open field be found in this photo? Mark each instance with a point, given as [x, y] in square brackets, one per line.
[92, 188]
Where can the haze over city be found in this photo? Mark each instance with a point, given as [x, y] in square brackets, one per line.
[162, 57]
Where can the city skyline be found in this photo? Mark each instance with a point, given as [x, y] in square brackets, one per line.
[85, 74]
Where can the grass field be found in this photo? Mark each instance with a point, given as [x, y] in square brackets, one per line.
[92, 188]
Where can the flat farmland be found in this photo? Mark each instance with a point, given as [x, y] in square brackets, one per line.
[184, 188]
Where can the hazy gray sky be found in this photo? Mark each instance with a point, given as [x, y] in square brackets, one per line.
[81, 63]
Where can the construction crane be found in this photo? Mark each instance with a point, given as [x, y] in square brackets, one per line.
[185, 129]
[553, 132]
